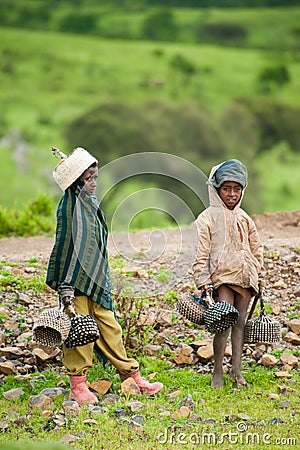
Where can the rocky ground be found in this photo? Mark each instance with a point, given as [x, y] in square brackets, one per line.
[155, 264]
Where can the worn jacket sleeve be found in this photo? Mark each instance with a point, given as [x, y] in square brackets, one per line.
[256, 244]
[200, 267]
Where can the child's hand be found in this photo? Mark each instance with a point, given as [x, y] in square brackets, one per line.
[199, 291]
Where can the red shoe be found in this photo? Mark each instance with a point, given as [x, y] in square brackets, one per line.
[144, 385]
[80, 392]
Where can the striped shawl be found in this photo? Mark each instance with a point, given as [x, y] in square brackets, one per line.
[79, 257]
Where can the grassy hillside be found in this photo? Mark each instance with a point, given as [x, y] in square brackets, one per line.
[48, 79]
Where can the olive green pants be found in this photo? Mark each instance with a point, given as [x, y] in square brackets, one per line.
[78, 360]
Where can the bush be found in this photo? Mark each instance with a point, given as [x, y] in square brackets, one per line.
[117, 129]
[273, 78]
[276, 122]
[78, 22]
[35, 219]
[221, 32]
[160, 26]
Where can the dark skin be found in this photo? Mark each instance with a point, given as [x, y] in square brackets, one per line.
[90, 177]
[230, 193]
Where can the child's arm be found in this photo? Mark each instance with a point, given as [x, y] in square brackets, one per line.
[255, 243]
[200, 267]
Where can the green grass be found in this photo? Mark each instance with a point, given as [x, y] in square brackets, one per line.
[22, 282]
[49, 83]
[279, 178]
[220, 412]
[45, 84]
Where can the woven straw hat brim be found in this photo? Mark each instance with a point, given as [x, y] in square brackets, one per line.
[72, 167]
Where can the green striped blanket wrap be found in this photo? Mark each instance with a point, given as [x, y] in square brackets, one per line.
[79, 257]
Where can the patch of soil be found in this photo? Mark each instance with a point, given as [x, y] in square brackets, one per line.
[275, 229]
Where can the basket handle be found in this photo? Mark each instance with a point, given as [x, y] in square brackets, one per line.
[68, 306]
[258, 296]
[201, 299]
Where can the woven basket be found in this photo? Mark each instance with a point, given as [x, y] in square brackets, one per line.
[84, 330]
[262, 328]
[220, 316]
[51, 328]
[191, 307]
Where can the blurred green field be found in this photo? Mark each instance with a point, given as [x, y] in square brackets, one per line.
[48, 79]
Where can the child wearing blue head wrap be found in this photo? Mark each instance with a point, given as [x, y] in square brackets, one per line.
[229, 257]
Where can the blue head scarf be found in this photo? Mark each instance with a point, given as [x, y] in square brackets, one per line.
[231, 170]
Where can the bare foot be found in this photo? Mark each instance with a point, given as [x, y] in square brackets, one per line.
[239, 380]
[217, 380]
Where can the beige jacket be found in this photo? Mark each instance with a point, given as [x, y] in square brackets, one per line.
[229, 248]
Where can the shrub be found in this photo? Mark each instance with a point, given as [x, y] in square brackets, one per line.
[36, 218]
[160, 26]
[221, 32]
[78, 22]
[276, 122]
[273, 78]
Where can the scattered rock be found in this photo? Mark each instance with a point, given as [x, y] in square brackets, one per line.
[288, 358]
[69, 438]
[184, 354]
[13, 394]
[136, 406]
[268, 360]
[294, 326]
[188, 401]
[40, 401]
[110, 399]
[273, 396]
[282, 374]
[284, 404]
[129, 387]
[71, 408]
[11, 352]
[54, 392]
[59, 420]
[7, 368]
[184, 411]
[101, 386]
[292, 338]
[152, 349]
[174, 394]
[280, 284]
[205, 353]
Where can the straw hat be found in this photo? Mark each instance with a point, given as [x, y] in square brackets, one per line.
[71, 167]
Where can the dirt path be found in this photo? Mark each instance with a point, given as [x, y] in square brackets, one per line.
[276, 229]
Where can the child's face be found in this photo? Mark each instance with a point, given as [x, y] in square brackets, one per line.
[90, 177]
[230, 192]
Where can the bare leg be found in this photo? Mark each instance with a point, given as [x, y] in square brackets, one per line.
[220, 341]
[237, 337]
[219, 344]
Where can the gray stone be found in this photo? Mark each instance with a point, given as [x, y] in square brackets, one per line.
[40, 401]
[13, 394]
[54, 392]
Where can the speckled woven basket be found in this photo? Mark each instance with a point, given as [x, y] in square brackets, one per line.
[51, 328]
[191, 307]
[220, 316]
[84, 330]
[262, 328]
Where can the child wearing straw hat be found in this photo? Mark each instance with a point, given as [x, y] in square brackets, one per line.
[78, 269]
[229, 257]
